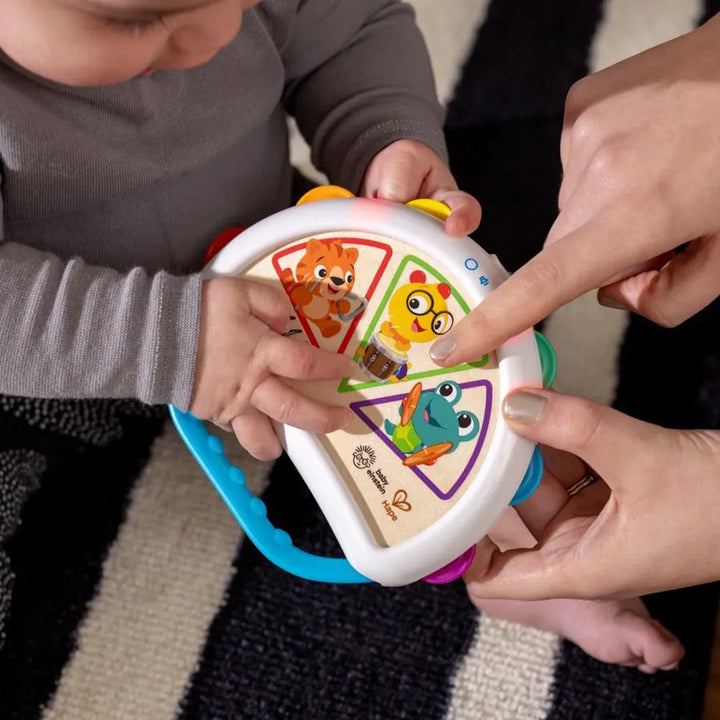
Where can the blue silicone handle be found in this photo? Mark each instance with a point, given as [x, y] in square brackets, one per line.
[532, 478]
[250, 511]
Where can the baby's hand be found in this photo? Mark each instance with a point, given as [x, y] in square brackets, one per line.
[242, 358]
[407, 169]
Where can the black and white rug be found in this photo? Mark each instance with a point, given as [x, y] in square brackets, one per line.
[135, 596]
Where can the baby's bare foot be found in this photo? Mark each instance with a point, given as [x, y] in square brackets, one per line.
[613, 631]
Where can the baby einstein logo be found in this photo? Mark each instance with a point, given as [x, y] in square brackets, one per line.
[363, 457]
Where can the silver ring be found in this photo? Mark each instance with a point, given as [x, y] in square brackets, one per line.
[581, 484]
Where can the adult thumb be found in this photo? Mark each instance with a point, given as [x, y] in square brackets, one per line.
[607, 440]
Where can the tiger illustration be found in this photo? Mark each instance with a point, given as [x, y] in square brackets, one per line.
[323, 280]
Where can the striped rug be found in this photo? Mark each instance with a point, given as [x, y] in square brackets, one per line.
[135, 596]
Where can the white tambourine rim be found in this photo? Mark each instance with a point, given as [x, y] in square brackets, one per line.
[490, 491]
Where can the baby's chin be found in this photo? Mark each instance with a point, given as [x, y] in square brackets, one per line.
[77, 76]
[98, 74]
[102, 73]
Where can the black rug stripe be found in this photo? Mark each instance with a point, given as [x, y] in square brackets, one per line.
[514, 170]
[670, 376]
[58, 551]
[526, 56]
[712, 7]
[286, 648]
[503, 125]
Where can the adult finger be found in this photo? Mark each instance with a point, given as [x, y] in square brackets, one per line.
[569, 218]
[287, 405]
[671, 294]
[538, 511]
[536, 574]
[607, 440]
[582, 260]
[564, 466]
[543, 505]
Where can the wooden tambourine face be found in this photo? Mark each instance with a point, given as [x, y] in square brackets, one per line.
[419, 433]
[427, 464]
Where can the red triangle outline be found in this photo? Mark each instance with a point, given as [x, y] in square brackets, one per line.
[370, 291]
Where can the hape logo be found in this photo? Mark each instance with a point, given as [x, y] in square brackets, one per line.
[363, 457]
[400, 501]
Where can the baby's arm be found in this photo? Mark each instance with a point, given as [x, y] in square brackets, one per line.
[361, 87]
[359, 79]
[71, 330]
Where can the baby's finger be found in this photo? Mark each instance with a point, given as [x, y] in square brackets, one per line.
[270, 305]
[292, 358]
[286, 405]
[255, 433]
[466, 211]
[400, 180]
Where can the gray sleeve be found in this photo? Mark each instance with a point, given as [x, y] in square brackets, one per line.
[358, 79]
[70, 330]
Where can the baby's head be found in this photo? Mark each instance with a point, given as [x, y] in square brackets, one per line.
[102, 42]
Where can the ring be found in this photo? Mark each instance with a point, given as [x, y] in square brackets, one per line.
[581, 484]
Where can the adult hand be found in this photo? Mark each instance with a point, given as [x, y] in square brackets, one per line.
[652, 525]
[640, 152]
[407, 169]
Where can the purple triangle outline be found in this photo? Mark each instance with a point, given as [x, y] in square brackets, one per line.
[356, 407]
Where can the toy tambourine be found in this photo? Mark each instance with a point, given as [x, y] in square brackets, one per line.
[428, 463]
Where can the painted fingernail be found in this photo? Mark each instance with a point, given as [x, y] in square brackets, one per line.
[443, 349]
[611, 303]
[524, 407]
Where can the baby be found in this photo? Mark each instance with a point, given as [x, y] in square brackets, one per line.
[132, 132]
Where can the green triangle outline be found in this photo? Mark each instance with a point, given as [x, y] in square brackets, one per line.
[345, 383]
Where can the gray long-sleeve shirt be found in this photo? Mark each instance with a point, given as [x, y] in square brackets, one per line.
[110, 196]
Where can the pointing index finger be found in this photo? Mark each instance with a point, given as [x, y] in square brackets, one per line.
[582, 260]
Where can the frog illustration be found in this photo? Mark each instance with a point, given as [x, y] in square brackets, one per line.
[430, 426]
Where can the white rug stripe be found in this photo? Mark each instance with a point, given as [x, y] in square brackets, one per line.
[587, 339]
[163, 582]
[506, 675]
[586, 336]
[631, 26]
